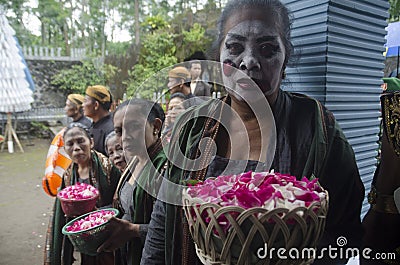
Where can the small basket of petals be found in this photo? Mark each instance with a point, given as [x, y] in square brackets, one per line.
[89, 231]
[232, 219]
[78, 199]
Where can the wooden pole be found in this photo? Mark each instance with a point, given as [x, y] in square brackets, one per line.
[10, 144]
[9, 134]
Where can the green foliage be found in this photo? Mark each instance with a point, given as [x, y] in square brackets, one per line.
[159, 7]
[39, 129]
[157, 52]
[191, 182]
[195, 34]
[168, 34]
[79, 77]
[162, 44]
[16, 6]
[53, 16]
[193, 40]
[39, 125]
[25, 37]
[394, 10]
[118, 48]
[15, 11]
[153, 23]
[160, 49]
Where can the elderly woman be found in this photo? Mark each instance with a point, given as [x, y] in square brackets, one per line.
[115, 151]
[254, 48]
[91, 167]
[123, 194]
[138, 122]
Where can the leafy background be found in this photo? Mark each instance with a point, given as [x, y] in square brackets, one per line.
[162, 34]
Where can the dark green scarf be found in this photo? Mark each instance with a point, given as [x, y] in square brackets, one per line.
[106, 177]
[329, 157]
[148, 184]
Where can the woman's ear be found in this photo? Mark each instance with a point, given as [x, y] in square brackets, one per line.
[283, 72]
[157, 124]
[91, 143]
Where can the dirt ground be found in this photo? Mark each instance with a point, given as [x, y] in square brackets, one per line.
[24, 206]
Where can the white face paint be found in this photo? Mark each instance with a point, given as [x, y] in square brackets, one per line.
[255, 47]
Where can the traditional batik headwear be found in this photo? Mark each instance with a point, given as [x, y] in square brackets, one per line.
[76, 99]
[99, 93]
[180, 72]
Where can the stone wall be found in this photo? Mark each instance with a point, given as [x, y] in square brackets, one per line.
[47, 95]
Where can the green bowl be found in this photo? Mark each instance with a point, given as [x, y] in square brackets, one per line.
[88, 241]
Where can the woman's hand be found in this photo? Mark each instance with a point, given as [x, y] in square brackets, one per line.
[122, 231]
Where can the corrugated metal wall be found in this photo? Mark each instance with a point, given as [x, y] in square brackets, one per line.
[341, 64]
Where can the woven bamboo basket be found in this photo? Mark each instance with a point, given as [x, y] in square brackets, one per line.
[253, 230]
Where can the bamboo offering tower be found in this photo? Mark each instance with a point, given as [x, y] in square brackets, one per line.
[15, 92]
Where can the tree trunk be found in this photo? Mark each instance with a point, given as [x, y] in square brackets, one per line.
[43, 33]
[66, 39]
[137, 27]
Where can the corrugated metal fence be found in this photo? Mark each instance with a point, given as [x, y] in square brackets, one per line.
[341, 64]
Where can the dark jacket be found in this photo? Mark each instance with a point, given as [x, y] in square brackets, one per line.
[202, 89]
[309, 142]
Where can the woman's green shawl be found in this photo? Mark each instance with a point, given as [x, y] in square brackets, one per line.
[330, 158]
[144, 197]
[107, 177]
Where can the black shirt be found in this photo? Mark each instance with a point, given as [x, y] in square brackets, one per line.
[99, 131]
[83, 120]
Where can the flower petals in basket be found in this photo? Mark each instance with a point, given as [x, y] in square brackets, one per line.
[232, 218]
[89, 231]
[78, 199]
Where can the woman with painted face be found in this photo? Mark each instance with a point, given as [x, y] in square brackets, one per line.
[138, 123]
[254, 48]
[91, 167]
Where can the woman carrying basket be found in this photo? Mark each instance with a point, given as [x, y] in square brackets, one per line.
[90, 167]
[254, 41]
